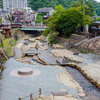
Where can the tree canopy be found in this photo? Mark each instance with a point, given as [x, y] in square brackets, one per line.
[87, 7]
[66, 22]
[35, 4]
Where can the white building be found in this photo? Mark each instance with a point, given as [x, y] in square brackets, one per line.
[14, 4]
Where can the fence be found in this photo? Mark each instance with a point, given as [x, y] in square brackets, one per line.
[30, 95]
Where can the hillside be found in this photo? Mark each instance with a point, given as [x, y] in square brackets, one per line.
[35, 4]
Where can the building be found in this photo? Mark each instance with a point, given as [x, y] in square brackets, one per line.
[14, 4]
[95, 17]
[19, 16]
[30, 17]
[47, 11]
[4, 15]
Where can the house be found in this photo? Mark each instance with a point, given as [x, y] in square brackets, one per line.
[95, 29]
[30, 17]
[95, 17]
[97, 24]
[46, 11]
[19, 16]
[4, 15]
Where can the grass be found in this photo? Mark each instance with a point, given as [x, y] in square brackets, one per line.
[0, 45]
[5, 43]
[10, 47]
[84, 51]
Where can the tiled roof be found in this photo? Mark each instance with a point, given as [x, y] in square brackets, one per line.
[46, 9]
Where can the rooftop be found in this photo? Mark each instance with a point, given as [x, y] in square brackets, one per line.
[97, 22]
[46, 9]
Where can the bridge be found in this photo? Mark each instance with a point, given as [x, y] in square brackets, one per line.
[33, 28]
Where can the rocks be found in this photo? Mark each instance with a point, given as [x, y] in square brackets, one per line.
[68, 55]
[41, 38]
[61, 61]
[92, 72]
[61, 52]
[67, 80]
[37, 46]
[92, 44]
[48, 57]
[32, 39]
[57, 46]
[73, 58]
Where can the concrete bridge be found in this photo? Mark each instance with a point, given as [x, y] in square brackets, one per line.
[33, 28]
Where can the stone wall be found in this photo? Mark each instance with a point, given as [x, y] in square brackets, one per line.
[73, 39]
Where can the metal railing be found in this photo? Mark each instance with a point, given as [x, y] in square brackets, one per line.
[30, 95]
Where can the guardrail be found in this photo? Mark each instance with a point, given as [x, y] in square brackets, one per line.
[30, 95]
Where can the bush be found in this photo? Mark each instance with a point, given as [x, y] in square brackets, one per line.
[46, 32]
[83, 51]
[52, 37]
[39, 18]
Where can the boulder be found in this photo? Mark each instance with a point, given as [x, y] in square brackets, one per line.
[66, 79]
[73, 58]
[68, 55]
[57, 46]
[61, 52]
[41, 38]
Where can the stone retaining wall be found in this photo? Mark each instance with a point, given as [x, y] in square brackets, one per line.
[74, 39]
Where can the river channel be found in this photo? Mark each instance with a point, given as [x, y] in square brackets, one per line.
[93, 93]
[12, 86]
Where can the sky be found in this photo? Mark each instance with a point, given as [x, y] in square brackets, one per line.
[97, 0]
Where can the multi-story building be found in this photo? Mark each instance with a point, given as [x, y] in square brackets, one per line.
[14, 4]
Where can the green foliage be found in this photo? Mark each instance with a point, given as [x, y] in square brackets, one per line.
[66, 22]
[47, 31]
[52, 37]
[84, 51]
[87, 8]
[9, 49]
[3, 61]
[39, 18]
[5, 43]
[0, 45]
[36, 4]
[97, 19]
[76, 4]
[0, 20]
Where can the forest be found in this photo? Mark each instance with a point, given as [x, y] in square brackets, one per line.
[35, 4]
